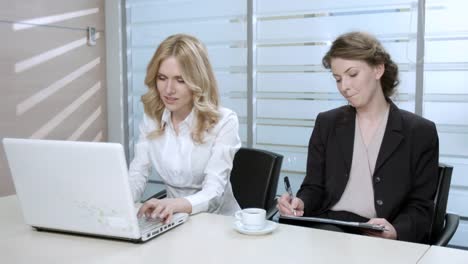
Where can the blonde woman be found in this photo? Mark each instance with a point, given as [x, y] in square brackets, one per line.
[185, 135]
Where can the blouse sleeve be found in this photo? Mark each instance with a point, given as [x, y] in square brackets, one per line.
[140, 166]
[219, 166]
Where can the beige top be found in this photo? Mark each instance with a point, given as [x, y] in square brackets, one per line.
[358, 196]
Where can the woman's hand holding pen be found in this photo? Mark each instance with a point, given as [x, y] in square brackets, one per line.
[286, 206]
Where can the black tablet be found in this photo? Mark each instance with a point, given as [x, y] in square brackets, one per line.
[310, 221]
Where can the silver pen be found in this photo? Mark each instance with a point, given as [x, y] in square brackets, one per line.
[287, 185]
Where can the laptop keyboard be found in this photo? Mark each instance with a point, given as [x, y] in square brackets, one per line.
[148, 223]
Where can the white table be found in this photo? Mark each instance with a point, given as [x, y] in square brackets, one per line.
[444, 255]
[205, 238]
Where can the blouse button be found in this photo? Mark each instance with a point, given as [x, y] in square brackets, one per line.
[379, 202]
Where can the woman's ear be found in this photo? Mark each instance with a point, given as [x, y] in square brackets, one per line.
[379, 71]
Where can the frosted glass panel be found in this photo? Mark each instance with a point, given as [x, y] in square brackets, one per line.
[221, 57]
[460, 178]
[405, 105]
[450, 144]
[243, 132]
[330, 26]
[294, 161]
[137, 106]
[182, 10]
[296, 82]
[236, 104]
[318, 82]
[403, 52]
[207, 31]
[140, 58]
[303, 55]
[450, 113]
[407, 82]
[457, 202]
[279, 135]
[225, 57]
[301, 6]
[231, 82]
[446, 82]
[460, 236]
[450, 17]
[446, 96]
[437, 51]
[294, 164]
[460, 170]
[294, 109]
[138, 83]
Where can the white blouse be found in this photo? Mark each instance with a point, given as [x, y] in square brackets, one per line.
[198, 172]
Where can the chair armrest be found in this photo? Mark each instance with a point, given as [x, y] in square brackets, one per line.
[271, 212]
[451, 225]
[159, 195]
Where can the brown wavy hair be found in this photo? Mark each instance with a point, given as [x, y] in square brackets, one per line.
[365, 47]
[197, 73]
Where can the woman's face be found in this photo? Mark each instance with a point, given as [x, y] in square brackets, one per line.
[357, 81]
[173, 90]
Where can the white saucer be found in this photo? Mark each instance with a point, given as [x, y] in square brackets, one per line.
[268, 228]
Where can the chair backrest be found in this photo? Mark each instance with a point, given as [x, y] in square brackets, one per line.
[254, 177]
[440, 201]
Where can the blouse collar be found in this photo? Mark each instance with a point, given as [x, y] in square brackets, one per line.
[166, 118]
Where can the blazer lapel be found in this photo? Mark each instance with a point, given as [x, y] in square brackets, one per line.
[392, 137]
[345, 135]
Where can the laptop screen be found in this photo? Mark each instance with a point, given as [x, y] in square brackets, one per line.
[74, 186]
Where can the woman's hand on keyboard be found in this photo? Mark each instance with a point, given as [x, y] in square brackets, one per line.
[164, 208]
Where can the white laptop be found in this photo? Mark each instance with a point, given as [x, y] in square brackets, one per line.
[78, 187]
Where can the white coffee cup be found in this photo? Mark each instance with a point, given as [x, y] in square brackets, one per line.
[251, 218]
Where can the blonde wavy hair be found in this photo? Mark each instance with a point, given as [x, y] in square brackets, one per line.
[197, 73]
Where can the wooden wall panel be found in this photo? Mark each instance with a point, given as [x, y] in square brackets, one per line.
[53, 85]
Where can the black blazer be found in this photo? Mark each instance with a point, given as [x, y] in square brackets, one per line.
[405, 176]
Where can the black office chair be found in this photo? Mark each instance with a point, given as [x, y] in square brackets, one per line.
[254, 179]
[444, 224]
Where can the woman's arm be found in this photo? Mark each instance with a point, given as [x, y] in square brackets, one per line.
[414, 221]
[164, 208]
[312, 189]
[219, 166]
[140, 165]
